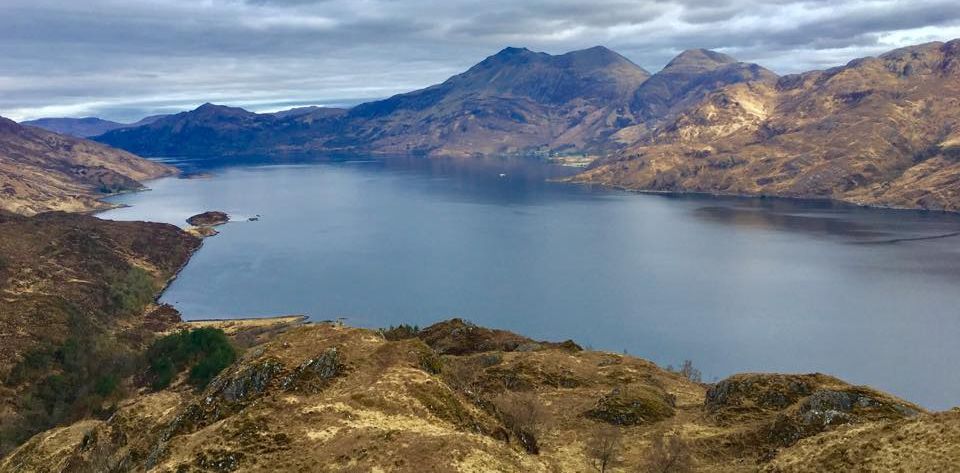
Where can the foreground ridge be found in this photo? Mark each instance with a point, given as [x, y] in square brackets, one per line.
[458, 397]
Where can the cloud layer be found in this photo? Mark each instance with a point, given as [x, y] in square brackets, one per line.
[123, 59]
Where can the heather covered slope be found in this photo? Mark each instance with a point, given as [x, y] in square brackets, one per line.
[73, 293]
[879, 131]
[456, 397]
[42, 170]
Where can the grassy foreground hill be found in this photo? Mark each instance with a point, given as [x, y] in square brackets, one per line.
[457, 397]
[76, 308]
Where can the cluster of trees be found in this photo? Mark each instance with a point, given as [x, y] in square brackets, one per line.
[91, 371]
[205, 351]
[71, 380]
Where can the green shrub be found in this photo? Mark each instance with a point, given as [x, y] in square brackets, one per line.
[205, 351]
[131, 292]
[400, 332]
[70, 381]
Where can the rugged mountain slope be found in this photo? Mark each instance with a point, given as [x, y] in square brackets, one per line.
[684, 82]
[208, 130]
[456, 397]
[41, 170]
[84, 127]
[514, 101]
[73, 289]
[878, 131]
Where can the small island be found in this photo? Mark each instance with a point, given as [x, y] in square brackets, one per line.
[209, 218]
[203, 223]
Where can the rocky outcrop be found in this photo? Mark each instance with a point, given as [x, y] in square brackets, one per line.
[460, 337]
[776, 411]
[624, 406]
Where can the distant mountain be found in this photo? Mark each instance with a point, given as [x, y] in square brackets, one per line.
[84, 127]
[41, 170]
[79, 127]
[512, 102]
[516, 101]
[877, 131]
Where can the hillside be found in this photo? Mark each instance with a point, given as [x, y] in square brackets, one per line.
[41, 170]
[456, 397]
[878, 131]
[73, 291]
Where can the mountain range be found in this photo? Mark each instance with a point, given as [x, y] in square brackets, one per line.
[84, 127]
[515, 102]
[877, 131]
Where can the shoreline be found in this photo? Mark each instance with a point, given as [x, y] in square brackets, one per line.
[682, 193]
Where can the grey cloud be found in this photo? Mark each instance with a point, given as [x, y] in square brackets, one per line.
[116, 58]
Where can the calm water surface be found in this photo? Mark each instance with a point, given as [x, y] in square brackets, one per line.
[733, 284]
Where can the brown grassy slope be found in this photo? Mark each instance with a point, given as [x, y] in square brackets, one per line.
[59, 260]
[879, 131]
[924, 443]
[332, 398]
[42, 170]
[66, 276]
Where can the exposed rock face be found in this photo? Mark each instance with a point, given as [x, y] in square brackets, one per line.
[878, 131]
[779, 410]
[322, 395]
[919, 443]
[41, 171]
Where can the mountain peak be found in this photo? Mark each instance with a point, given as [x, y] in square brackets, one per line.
[598, 56]
[699, 59]
[513, 51]
[211, 109]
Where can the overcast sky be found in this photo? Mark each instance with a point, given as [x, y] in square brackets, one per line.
[124, 59]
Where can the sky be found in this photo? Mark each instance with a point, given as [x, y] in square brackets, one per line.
[126, 59]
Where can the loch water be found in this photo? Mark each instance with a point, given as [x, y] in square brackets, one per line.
[733, 284]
